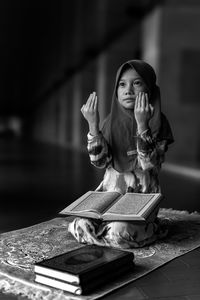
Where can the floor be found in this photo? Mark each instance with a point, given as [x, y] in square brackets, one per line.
[37, 181]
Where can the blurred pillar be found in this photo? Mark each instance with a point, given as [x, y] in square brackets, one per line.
[101, 85]
[102, 59]
[151, 30]
[76, 103]
[62, 115]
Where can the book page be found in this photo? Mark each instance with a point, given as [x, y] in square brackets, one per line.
[130, 204]
[96, 201]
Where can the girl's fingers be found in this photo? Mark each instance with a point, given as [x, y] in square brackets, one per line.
[146, 101]
[96, 104]
[91, 103]
[152, 109]
[143, 101]
[87, 104]
[136, 102]
[82, 108]
[139, 100]
[135, 106]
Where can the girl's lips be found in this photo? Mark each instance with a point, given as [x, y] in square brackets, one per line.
[129, 99]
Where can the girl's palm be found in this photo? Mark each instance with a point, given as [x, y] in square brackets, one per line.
[143, 110]
[90, 110]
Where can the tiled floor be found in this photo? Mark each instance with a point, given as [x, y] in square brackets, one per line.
[178, 279]
[38, 180]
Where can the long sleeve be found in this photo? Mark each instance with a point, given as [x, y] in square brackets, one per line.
[150, 151]
[98, 150]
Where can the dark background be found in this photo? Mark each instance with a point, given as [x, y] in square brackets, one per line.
[52, 55]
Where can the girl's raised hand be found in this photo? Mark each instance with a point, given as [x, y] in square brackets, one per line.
[143, 111]
[91, 113]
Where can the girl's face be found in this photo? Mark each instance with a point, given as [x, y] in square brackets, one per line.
[129, 85]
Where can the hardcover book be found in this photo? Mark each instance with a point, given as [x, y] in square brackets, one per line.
[85, 264]
[112, 206]
[86, 287]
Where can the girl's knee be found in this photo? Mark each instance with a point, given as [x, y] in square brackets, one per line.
[78, 227]
[83, 230]
[118, 231]
[127, 234]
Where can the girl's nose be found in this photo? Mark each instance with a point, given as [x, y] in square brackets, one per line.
[130, 90]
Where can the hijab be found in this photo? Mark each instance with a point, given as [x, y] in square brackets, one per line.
[119, 128]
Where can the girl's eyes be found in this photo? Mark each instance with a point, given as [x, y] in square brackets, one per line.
[135, 83]
[121, 84]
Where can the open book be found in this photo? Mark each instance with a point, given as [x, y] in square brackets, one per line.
[113, 206]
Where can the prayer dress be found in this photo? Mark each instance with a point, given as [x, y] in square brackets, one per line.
[132, 162]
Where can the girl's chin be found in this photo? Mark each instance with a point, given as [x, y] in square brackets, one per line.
[129, 105]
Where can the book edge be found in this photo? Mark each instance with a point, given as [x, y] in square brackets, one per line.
[152, 205]
[68, 287]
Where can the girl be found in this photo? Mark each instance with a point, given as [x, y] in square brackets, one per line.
[131, 146]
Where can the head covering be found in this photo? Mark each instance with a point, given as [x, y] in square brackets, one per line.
[119, 128]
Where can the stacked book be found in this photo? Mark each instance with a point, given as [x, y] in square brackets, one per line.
[82, 270]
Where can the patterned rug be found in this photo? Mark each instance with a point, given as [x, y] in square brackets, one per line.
[20, 249]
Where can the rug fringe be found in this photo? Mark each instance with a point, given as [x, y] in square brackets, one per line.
[180, 212]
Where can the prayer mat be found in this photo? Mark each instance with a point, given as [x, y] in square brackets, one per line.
[20, 249]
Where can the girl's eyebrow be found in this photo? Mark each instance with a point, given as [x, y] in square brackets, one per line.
[124, 79]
